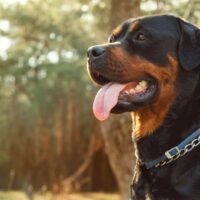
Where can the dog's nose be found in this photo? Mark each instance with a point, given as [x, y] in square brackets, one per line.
[95, 51]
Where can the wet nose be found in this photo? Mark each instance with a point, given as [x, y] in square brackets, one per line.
[95, 51]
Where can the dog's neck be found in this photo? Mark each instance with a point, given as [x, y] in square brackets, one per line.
[181, 120]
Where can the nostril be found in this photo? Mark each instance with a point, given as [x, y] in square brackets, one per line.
[95, 51]
[98, 51]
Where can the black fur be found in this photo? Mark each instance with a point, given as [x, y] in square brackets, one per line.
[179, 180]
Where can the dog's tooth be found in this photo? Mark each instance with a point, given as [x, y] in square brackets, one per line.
[138, 88]
[143, 84]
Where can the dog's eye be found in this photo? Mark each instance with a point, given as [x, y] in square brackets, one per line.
[140, 37]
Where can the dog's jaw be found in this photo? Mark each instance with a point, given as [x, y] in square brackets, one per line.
[149, 118]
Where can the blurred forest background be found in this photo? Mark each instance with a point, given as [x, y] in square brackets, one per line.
[49, 139]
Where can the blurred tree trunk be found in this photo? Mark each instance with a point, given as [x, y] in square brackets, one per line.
[117, 130]
[122, 10]
[119, 148]
[74, 181]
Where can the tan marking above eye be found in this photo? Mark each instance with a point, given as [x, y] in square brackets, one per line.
[117, 31]
[133, 26]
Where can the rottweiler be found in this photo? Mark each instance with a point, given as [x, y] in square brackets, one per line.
[151, 68]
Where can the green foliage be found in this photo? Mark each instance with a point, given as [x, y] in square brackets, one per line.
[43, 72]
[187, 9]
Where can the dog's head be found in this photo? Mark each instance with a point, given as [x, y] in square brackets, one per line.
[139, 68]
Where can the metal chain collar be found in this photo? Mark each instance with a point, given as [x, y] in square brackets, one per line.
[189, 147]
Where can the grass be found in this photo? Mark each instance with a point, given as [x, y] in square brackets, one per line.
[94, 196]
[15, 195]
[12, 196]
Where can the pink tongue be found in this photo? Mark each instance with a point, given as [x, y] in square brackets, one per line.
[106, 99]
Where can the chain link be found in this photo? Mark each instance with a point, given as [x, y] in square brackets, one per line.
[189, 147]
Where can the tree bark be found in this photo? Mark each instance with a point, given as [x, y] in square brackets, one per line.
[119, 148]
[122, 10]
[71, 183]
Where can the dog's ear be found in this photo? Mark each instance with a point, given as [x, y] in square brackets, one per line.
[189, 46]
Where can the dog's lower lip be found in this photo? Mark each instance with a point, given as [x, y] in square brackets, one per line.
[124, 106]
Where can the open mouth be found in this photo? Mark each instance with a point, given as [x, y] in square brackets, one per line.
[115, 96]
[137, 91]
